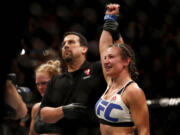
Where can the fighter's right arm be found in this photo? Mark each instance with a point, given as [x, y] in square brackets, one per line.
[110, 32]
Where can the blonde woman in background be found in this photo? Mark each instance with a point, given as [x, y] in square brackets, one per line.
[43, 74]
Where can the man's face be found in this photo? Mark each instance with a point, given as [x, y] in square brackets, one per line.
[71, 48]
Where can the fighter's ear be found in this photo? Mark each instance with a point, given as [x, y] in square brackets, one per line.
[127, 61]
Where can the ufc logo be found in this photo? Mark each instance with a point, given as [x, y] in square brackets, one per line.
[106, 108]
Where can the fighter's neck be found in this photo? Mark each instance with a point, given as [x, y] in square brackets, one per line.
[120, 80]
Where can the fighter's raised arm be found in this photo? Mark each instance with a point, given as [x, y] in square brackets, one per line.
[110, 33]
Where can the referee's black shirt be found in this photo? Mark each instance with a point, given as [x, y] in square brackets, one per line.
[85, 86]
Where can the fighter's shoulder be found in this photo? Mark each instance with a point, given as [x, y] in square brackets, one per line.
[134, 92]
[35, 109]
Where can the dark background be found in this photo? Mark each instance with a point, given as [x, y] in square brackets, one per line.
[150, 27]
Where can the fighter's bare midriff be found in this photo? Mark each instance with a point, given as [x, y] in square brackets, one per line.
[109, 130]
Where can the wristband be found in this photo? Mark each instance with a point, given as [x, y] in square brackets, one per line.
[110, 17]
[112, 27]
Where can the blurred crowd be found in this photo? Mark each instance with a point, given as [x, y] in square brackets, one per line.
[152, 28]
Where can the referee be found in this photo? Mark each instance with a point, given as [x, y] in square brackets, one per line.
[70, 97]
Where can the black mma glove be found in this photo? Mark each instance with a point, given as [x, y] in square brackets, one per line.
[75, 111]
[111, 25]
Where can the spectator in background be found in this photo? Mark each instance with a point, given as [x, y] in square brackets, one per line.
[14, 108]
[15, 101]
[43, 74]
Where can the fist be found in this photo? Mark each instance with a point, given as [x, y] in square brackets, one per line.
[112, 9]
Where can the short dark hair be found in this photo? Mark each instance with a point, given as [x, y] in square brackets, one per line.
[82, 39]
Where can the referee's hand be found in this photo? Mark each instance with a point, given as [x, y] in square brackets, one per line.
[74, 110]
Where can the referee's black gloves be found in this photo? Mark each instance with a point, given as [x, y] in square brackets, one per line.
[75, 111]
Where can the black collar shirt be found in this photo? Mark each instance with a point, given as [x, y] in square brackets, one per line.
[85, 86]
